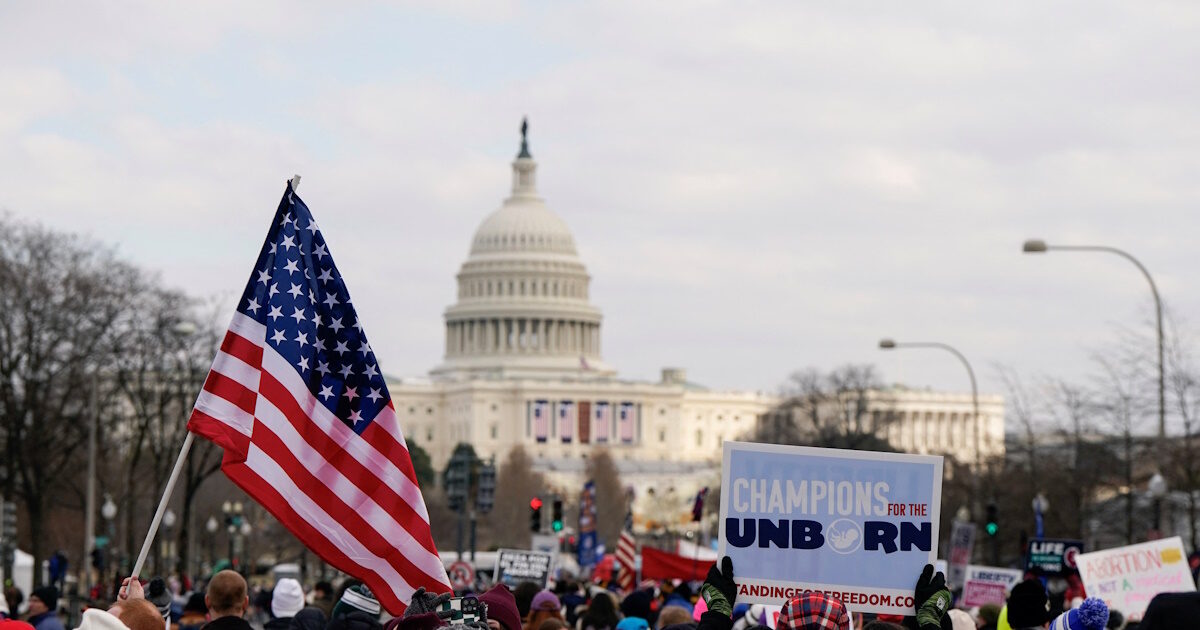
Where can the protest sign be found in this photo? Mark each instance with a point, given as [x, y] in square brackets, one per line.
[1052, 557]
[857, 525]
[962, 542]
[515, 566]
[1127, 578]
[988, 585]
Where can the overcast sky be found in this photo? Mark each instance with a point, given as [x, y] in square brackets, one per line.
[755, 187]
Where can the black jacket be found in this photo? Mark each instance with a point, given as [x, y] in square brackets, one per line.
[354, 621]
[227, 623]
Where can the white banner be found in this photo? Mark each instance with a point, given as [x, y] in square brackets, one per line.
[1127, 578]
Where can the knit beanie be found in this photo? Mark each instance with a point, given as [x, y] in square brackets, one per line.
[287, 599]
[48, 595]
[357, 598]
[99, 619]
[1092, 614]
[545, 601]
[960, 620]
[156, 593]
[502, 606]
[1028, 605]
[800, 611]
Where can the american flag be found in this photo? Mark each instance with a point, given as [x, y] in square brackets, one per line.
[566, 420]
[541, 419]
[600, 424]
[626, 422]
[297, 401]
[627, 557]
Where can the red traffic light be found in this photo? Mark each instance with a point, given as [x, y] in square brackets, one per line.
[535, 503]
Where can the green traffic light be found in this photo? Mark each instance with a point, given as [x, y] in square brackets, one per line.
[992, 528]
[557, 526]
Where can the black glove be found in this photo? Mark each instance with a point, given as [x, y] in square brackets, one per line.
[719, 590]
[932, 599]
[423, 602]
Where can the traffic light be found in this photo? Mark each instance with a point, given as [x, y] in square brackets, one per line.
[486, 491]
[535, 515]
[458, 480]
[993, 526]
[556, 518]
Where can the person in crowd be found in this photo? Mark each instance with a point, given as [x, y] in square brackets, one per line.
[988, 617]
[524, 593]
[140, 614]
[543, 606]
[309, 618]
[322, 597]
[502, 610]
[195, 613]
[1116, 620]
[287, 599]
[638, 605]
[13, 598]
[356, 610]
[672, 616]
[633, 623]
[572, 600]
[553, 624]
[1171, 610]
[1091, 614]
[94, 619]
[1028, 606]
[43, 609]
[3, 609]
[602, 613]
[227, 600]
[157, 594]
[961, 620]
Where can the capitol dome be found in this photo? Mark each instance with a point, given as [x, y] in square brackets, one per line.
[522, 308]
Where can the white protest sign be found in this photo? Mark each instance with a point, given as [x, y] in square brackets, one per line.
[1127, 578]
[515, 566]
[988, 585]
[859, 526]
[962, 542]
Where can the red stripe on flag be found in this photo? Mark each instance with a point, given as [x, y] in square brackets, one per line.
[332, 452]
[228, 438]
[231, 390]
[387, 446]
[242, 348]
[333, 505]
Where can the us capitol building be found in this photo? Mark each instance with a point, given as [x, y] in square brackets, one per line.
[523, 366]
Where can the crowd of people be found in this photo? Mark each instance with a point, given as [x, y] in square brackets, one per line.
[227, 602]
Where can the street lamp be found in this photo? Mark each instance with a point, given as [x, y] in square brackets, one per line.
[168, 522]
[1035, 246]
[109, 512]
[1040, 505]
[211, 526]
[233, 520]
[1158, 490]
[892, 344]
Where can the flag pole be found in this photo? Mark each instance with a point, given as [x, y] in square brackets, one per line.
[170, 488]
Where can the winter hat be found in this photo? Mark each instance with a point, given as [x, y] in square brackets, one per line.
[502, 606]
[156, 593]
[633, 623]
[95, 619]
[357, 598]
[637, 604]
[287, 599]
[813, 611]
[48, 595]
[308, 619]
[1092, 614]
[960, 620]
[1171, 610]
[545, 601]
[1028, 605]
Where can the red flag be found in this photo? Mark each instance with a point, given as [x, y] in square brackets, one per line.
[296, 399]
[660, 565]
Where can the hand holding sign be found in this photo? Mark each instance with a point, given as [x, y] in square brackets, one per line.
[719, 589]
[933, 599]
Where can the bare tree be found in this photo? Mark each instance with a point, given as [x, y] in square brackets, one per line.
[1122, 408]
[516, 484]
[611, 498]
[845, 408]
[1183, 386]
[61, 297]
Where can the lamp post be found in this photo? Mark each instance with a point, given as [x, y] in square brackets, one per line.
[1040, 505]
[211, 526]
[1158, 490]
[168, 522]
[109, 512]
[233, 521]
[891, 344]
[1035, 246]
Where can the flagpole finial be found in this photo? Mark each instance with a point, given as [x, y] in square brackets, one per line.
[524, 138]
[295, 181]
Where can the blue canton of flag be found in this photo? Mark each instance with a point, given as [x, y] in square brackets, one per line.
[298, 294]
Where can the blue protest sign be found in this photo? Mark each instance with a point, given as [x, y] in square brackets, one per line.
[856, 525]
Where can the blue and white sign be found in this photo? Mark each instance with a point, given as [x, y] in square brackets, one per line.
[856, 525]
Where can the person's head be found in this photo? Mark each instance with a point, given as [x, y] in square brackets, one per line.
[1092, 614]
[673, 615]
[552, 623]
[97, 619]
[157, 594]
[812, 611]
[287, 599]
[637, 604]
[502, 608]
[141, 614]
[959, 620]
[989, 614]
[1116, 620]
[195, 605]
[323, 590]
[543, 606]
[226, 595]
[42, 600]
[602, 611]
[356, 600]
[524, 593]
[1028, 605]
